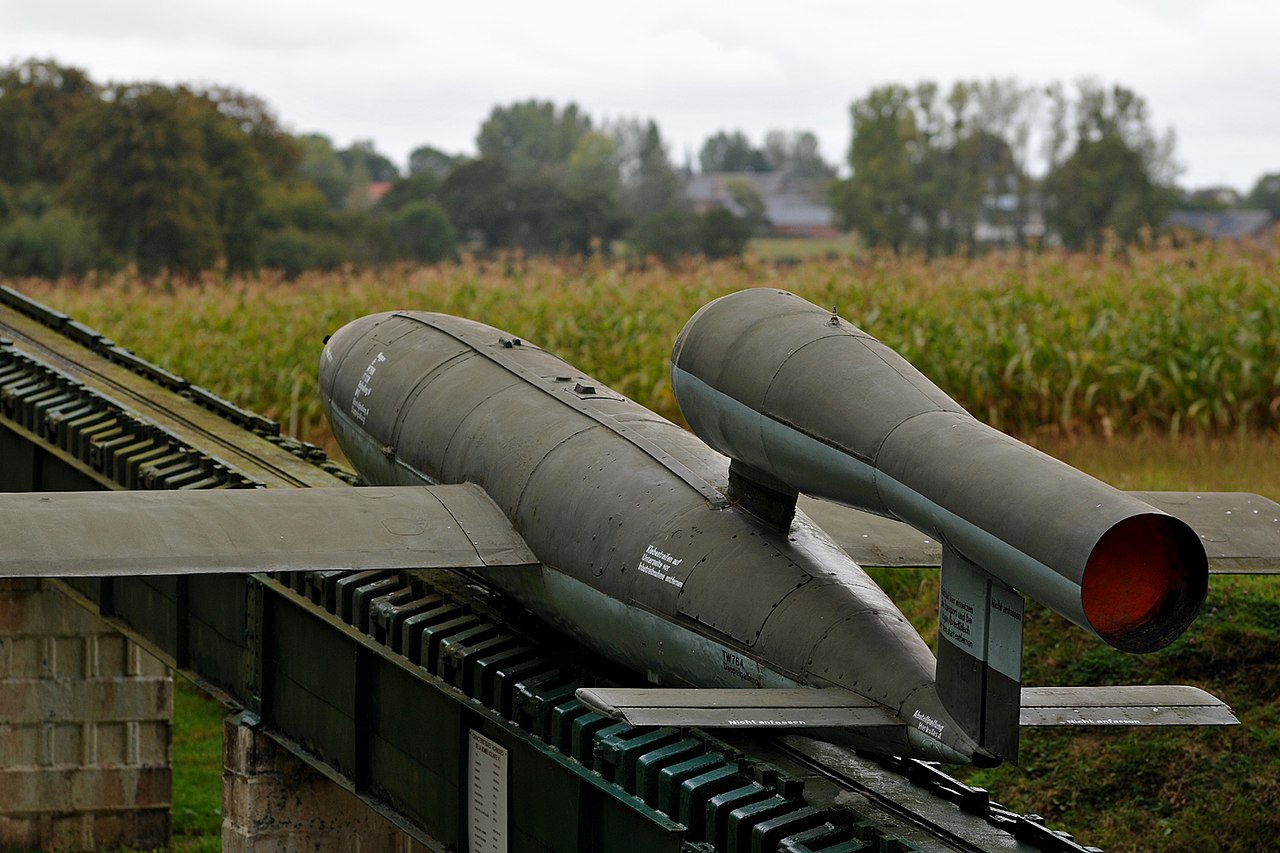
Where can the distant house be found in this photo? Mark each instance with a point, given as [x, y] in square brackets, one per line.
[793, 206]
[1225, 224]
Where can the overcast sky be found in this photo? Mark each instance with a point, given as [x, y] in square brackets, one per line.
[410, 73]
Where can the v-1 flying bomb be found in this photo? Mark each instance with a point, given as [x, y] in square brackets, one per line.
[696, 568]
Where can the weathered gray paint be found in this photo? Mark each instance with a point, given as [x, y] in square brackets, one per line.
[85, 534]
[837, 475]
[1136, 705]
[822, 407]
[1240, 531]
[643, 557]
[711, 708]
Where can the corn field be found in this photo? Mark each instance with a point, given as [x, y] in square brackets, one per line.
[1168, 340]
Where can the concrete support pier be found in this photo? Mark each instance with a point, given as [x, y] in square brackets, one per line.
[272, 802]
[85, 729]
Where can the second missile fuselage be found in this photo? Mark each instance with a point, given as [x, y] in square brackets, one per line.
[644, 559]
[810, 403]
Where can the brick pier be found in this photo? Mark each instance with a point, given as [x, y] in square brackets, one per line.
[274, 803]
[85, 729]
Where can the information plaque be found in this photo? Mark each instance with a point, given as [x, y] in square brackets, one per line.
[487, 795]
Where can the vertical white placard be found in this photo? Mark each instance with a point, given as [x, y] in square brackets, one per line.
[487, 795]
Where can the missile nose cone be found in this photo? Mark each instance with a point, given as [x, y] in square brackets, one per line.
[336, 347]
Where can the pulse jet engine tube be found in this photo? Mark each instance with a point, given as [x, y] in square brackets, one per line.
[804, 401]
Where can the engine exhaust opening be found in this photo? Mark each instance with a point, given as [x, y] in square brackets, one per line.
[1144, 582]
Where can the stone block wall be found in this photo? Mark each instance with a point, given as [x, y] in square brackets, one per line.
[274, 803]
[85, 729]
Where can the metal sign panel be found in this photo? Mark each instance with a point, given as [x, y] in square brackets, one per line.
[486, 795]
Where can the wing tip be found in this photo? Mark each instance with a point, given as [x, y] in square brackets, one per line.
[1139, 705]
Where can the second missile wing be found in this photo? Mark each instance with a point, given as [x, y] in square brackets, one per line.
[1240, 531]
[808, 707]
[797, 707]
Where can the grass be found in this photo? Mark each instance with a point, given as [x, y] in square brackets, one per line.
[197, 769]
[1249, 462]
[798, 249]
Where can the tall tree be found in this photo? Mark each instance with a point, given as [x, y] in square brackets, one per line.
[592, 187]
[1110, 171]
[1266, 193]
[661, 222]
[650, 183]
[37, 99]
[476, 196]
[532, 137]
[945, 172]
[322, 166]
[879, 198]
[731, 152]
[168, 180]
[797, 153]
[592, 166]
[278, 150]
[537, 213]
[362, 157]
[237, 179]
[429, 160]
[994, 152]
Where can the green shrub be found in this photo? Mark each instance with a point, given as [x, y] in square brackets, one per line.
[421, 231]
[294, 251]
[52, 244]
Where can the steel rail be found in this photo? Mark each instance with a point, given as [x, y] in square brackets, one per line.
[920, 794]
[202, 427]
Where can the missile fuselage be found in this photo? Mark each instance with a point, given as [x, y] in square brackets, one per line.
[809, 403]
[663, 555]
[644, 559]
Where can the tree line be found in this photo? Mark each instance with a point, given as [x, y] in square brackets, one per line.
[945, 171]
[942, 171]
[184, 178]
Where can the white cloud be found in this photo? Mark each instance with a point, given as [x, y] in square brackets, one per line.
[406, 73]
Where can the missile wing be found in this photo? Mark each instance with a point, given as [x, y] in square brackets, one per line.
[1136, 705]
[807, 707]
[1240, 531]
[796, 707]
[81, 534]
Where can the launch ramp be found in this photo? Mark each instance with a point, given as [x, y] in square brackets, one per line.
[406, 689]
